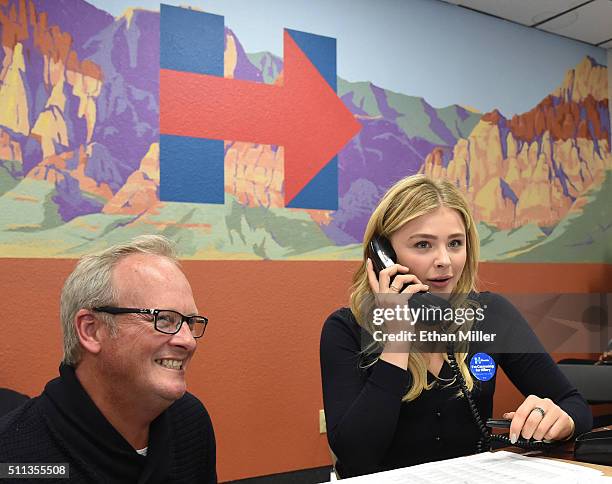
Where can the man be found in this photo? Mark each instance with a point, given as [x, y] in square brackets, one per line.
[119, 411]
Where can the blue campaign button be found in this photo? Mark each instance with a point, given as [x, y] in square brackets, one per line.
[482, 366]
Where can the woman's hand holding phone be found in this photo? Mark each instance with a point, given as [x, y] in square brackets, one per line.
[392, 281]
[400, 276]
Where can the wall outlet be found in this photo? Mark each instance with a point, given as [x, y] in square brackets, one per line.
[322, 425]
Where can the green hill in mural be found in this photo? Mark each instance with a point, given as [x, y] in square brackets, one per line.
[500, 244]
[9, 177]
[213, 231]
[28, 207]
[586, 230]
[218, 230]
[73, 239]
[236, 231]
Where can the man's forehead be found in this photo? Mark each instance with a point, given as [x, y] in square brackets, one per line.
[145, 263]
[152, 280]
[145, 270]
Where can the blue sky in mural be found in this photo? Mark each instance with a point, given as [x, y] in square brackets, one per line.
[425, 48]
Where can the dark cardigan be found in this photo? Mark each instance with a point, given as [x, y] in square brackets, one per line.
[370, 429]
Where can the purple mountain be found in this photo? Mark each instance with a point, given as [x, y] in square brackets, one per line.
[128, 106]
[63, 14]
[368, 165]
[244, 69]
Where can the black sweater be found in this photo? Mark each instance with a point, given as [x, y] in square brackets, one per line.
[63, 425]
[370, 429]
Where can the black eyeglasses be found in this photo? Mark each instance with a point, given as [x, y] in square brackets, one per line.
[164, 320]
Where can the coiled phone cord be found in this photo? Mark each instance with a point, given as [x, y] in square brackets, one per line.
[484, 443]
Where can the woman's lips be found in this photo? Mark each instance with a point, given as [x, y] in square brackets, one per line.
[439, 283]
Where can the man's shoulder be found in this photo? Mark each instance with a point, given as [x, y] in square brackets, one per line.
[24, 416]
[24, 432]
[189, 403]
[189, 409]
[10, 400]
[193, 440]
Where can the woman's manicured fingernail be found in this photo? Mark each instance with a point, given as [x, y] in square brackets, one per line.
[513, 438]
[505, 415]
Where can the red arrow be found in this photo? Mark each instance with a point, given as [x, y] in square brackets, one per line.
[304, 114]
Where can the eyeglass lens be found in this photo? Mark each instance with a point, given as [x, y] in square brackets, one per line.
[169, 322]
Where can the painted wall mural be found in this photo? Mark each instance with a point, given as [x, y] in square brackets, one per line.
[80, 150]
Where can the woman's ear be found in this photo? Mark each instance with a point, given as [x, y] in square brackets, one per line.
[90, 330]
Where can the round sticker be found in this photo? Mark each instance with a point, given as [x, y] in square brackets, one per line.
[482, 366]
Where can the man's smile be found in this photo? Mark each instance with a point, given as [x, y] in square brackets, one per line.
[170, 364]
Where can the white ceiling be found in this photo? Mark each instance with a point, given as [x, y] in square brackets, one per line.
[587, 21]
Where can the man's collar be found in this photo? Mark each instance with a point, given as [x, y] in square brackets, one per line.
[83, 428]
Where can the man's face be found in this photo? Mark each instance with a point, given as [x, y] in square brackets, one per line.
[140, 360]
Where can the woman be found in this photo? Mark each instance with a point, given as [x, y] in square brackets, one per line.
[387, 404]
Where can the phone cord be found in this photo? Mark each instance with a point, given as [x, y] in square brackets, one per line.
[484, 443]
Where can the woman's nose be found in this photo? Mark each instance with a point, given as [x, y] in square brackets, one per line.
[442, 258]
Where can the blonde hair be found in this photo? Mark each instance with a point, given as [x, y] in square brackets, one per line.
[408, 199]
[90, 285]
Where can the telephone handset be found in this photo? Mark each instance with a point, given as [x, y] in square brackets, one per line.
[382, 255]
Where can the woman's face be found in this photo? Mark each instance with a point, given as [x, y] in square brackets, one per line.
[433, 247]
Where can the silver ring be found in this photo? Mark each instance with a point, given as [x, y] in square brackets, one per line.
[393, 288]
[539, 409]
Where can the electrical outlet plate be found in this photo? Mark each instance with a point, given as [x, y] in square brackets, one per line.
[322, 425]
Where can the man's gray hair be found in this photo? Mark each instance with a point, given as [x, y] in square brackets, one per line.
[90, 285]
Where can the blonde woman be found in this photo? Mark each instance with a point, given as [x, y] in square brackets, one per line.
[390, 405]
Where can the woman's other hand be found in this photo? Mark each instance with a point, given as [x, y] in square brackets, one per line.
[540, 419]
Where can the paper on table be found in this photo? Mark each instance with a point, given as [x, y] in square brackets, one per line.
[488, 467]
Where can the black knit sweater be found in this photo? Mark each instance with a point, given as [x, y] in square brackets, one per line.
[63, 425]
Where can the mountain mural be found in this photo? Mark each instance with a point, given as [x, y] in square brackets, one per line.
[534, 166]
[531, 171]
[79, 154]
